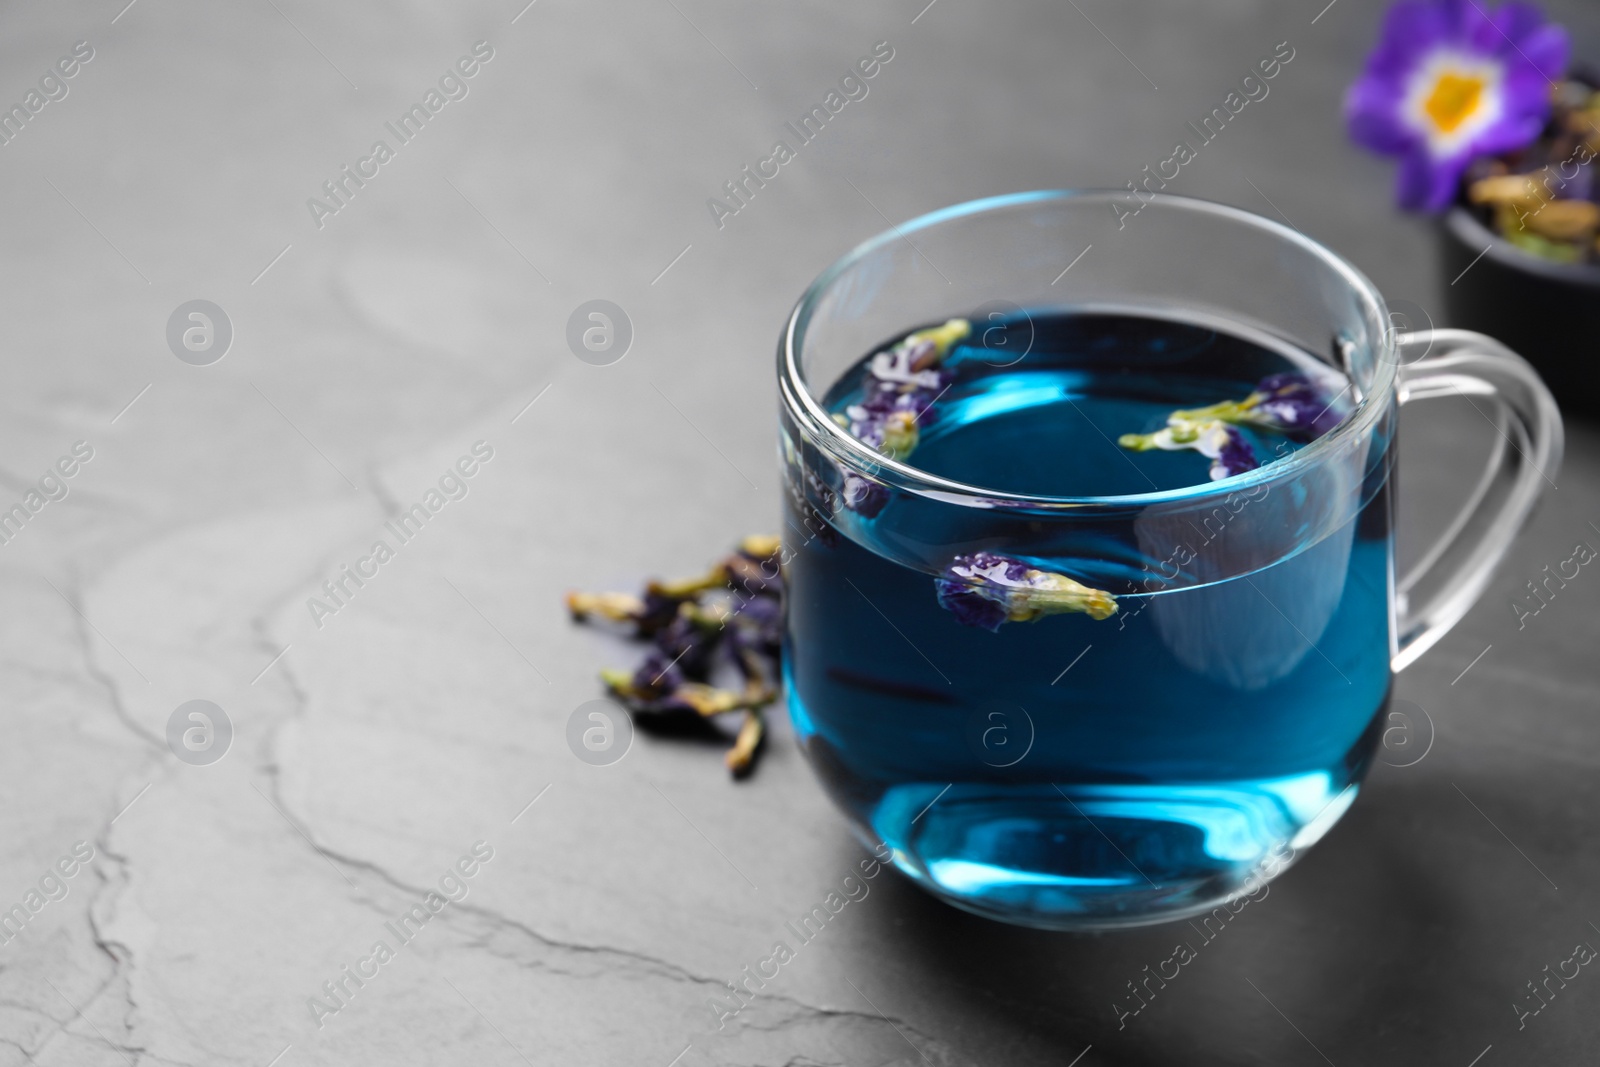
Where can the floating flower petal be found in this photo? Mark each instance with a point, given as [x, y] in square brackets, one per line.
[1291, 403]
[902, 384]
[987, 589]
[864, 496]
[1215, 439]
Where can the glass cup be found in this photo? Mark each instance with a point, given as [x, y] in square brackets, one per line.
[1078, 772]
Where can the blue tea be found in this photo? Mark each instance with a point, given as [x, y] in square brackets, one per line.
[1076, 720]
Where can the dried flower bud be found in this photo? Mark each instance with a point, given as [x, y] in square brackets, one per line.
[1290, 403]
[1223, 444]
[899, 434]
[618, 607]
[1564, 220]
[901, 386]
[762, 546]
[728, 619]
[1515, 189]
[987, 589]
[741, 757]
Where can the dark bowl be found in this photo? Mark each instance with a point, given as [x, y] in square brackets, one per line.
[1549, 313]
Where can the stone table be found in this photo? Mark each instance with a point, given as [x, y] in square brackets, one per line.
[413, 741]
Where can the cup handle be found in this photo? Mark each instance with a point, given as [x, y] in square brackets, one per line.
[1452, 574]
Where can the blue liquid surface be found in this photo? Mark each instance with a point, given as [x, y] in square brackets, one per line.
[1073, 772]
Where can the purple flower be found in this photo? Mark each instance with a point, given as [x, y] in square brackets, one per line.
[687, 643]
[901, 386]
[725, 623]
[909, 364]
[656, 677]
[968, 605]
[1233, 454]
[647, 614]
[1212, 436]
[1450, 81]
[1292, 403]
[986, 589]
[887, 419]
[864, 496]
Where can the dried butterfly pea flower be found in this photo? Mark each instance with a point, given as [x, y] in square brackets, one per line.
[902, 385]
[705, 701]
[647, 613]
[1223, 444]
[697, 697]
[741, 757]
[863, 496]
[729, 619]
[1290, 403]
[987, 589]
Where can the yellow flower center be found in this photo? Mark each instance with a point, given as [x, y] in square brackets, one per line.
[1453, 100]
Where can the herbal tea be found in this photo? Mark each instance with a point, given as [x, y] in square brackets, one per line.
[1062, 727]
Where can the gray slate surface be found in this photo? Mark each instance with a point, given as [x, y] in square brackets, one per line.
[424, 316]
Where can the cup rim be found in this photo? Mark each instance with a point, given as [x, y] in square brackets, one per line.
[815, 421]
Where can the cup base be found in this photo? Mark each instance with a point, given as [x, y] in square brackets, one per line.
[1104, 857]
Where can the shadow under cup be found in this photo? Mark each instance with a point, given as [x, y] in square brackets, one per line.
[1074, 772]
